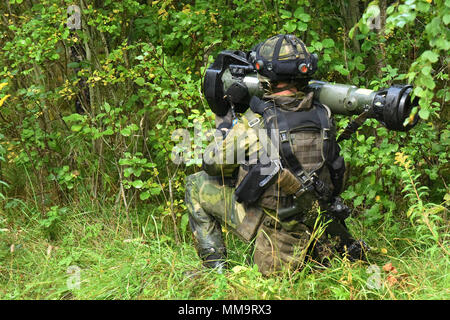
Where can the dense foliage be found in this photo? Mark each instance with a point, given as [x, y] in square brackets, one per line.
[140, 79]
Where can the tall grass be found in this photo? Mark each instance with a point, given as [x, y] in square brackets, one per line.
[135, 256]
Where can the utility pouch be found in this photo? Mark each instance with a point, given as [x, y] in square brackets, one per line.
[256, 182]
[288, 183]
[249, 226]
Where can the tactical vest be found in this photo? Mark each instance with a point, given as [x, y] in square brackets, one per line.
[307, 143]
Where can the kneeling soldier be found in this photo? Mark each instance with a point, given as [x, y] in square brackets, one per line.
[280, 198]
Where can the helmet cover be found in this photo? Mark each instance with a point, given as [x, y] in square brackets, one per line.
[284, 57]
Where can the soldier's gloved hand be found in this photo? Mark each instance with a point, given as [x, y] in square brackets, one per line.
[338, 209]
[224, 128]
[224, 132]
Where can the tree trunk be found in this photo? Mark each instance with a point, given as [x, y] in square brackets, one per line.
[351, 15]
[354, 16]
[381, 53]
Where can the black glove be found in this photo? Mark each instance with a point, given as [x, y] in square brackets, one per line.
[338, 209]
[225, 128]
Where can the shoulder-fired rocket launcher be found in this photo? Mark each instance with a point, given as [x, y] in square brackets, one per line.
[231, 81]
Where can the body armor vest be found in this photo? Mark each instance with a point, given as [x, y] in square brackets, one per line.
[307, 142]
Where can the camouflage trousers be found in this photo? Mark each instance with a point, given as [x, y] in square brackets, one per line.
[278, 246]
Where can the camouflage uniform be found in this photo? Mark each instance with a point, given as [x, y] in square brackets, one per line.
[211, 201]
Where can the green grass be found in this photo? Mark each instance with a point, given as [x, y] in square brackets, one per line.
[134, 256]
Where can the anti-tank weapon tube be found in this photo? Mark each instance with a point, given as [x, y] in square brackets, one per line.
[232, 79]
[391, 106]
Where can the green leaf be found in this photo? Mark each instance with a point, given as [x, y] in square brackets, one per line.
[74, 117]
[366, 46]
[318, 46]
[140, 81]
[360, 137]
[363, 28]
[126, 132]
[442, 43]
[430, 56]
[358, 200]
[108, 132]
[76, 127]
[304, 17]
[428, 82]
[290, 26]
[390, 9]
[426, 70]
[133, 127]
[65, 34]
[418, 91]
[422, 6]
[352, 31]
[285, 14]
[302, 26]
[299, 11]
[446, 19]
[127, 172]
[424, 113]
[340, 68]
[360, 67]
[328, 43]
[137, 172]
[155, 191]
[144, 195]
[138, 184]
[73, 65]
[184, 222]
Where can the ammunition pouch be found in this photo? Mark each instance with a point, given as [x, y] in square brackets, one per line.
[288, 183]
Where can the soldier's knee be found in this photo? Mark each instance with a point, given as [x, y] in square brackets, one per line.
[190, 180]
[277, 249]
[193, 180]
[193, 183]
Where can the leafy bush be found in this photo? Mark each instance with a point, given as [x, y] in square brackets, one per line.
[139, 79]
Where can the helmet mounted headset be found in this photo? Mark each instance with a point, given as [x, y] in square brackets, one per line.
[283, 57]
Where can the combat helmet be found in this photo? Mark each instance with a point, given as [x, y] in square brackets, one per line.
[283, 57]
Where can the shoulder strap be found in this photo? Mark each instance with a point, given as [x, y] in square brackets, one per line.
[326, 134]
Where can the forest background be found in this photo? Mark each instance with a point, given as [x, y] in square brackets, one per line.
[91, 207]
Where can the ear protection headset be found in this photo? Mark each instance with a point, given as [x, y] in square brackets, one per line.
[296, 64]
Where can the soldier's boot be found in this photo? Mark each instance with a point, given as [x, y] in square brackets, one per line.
[206, 228]
[214, 259]
[357, 250]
